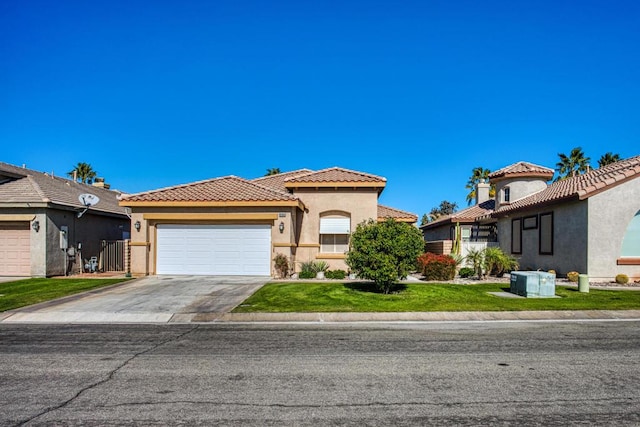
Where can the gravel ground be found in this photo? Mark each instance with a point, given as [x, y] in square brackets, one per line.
[507, 279]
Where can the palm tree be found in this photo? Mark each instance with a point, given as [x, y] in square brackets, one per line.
[478, 174]
[608, 158]
[574, 164]
[272, 171]
[83, 172]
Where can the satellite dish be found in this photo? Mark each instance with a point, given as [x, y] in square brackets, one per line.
[88, 199]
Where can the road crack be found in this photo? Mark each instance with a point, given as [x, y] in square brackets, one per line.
[451, 404]
[108, 378]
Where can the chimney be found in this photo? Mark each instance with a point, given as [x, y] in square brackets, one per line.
[482, 192]
[99, 182]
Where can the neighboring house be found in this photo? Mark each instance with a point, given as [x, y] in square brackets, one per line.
[235, 226]
[589, 223]
[40, 213]
[474, 227]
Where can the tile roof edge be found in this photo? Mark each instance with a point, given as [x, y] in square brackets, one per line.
[397, 210]
[188, 184]
[37, 188]
[301, 171]
[273, 190]
[381, 178]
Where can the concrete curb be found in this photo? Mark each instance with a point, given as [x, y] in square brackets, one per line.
[419, 316]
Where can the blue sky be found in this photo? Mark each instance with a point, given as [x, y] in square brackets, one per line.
[160, 93]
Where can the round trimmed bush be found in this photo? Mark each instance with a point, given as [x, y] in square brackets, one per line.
[622, 279]
[573, 276]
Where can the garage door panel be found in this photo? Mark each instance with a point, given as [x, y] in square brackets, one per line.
[213, 249]
[15, 249]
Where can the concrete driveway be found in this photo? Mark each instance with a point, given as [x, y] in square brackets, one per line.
[153, 299]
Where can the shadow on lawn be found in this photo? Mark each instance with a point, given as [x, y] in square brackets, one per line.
[372, 288]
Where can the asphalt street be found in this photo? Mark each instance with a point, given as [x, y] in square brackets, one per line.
[458, 373]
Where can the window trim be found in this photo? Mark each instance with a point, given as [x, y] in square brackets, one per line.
[506, 194]
[551, 234]
[519, 228]
[528, 219]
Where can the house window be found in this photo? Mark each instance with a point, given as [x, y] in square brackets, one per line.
[506, 195]
[516, 236]
[546, 234]
[466, 234]
[530, 222]
[631, 240]
[334, 243]
[334, 234]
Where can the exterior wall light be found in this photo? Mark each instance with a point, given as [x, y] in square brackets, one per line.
[137, 225]
[281, 227]
[35, 225]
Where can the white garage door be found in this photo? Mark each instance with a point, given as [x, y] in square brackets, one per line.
[213, 249]
[15, 249]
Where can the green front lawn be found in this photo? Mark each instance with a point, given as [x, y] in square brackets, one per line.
[359, 297]
[32, 291]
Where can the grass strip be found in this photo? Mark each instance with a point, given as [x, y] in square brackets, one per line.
[25, 292]
[361, 297]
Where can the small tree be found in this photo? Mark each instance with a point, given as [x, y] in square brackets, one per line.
[476, 258]
[384, 252]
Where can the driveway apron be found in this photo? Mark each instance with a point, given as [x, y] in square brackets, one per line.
[153, 299]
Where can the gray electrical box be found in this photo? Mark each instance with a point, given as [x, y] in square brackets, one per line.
[533, 284]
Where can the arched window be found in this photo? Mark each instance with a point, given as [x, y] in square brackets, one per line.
[631, 240]
[335, 229]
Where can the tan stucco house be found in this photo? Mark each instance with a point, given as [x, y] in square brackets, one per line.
[46, 229]
[234, 226]
[588, 223]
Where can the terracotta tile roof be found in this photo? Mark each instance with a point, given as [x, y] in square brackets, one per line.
[277, 181]
[334, 175]
[224, 189]
[465, 216]
[397, 214]
[521, 169]
[579, 187]
[20, 185]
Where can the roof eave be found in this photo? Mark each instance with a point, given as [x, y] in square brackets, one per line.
[334, 184]
[231, 203]
[502, 177]
[569, 198]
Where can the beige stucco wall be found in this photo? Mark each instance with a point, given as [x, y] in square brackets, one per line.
[359, 204]
[609, 215]
[300, 240]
